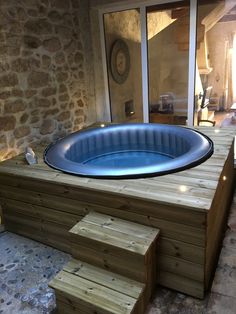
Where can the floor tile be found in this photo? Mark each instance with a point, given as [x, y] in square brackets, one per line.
[224, 282]
[219, 304]
[230, 239]
[161, 300]
[26, 267]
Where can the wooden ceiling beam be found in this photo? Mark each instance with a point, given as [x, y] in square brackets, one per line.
[217, 14]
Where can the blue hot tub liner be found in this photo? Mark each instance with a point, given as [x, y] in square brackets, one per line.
[129, 151]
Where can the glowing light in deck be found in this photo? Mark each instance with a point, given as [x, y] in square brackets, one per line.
[183, 188]
[217, 131]
[102, 125]
[224, 178]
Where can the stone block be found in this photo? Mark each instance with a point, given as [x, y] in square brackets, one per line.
[80, 103]
[4, 95]
[34, 119]
[46, 61]
[62, 76]
[79, 58]
[62, 88]
[20, 65]
[60, 58]
[47, 127]
[14, 106]
[64, 97]
[52, 44]
[39, 26]
[8, 80]
[24, 118]
[21, 131]
[60, 4]
[31, 42]
[50, 112]
[54, 17]
[38, 79]
[30, 93]
[7, 123]
[49, 91]
[16, 12]
[17, 93]
[65, 115]
[42, 102]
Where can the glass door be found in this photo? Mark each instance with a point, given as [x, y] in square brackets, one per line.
[123, 55]
[168, 62]
[215, 88]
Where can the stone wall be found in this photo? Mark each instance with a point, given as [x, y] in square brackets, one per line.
[46, 71]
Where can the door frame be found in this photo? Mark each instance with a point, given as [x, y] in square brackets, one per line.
[142, 6]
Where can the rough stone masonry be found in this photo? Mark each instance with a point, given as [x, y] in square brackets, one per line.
[45, 71]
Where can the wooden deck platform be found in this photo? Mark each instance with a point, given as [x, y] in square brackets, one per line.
[189, 208]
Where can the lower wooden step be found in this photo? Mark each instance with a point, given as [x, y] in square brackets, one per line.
[83, 288]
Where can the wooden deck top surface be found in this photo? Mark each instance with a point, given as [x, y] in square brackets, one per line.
[193, 188]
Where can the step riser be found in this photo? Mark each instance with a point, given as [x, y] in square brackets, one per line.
[109, 250]
[110, 263]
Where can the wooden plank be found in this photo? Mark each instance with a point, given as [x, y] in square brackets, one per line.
[95, 296]
[109, 262]
[40, 212]
[63, 308]
[105, 278]
[181, 284]
[137, 231]
[182, 250]
[180, 267]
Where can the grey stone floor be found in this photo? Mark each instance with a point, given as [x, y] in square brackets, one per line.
[27, 266]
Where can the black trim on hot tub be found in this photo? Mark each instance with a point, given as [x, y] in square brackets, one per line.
[207, 154]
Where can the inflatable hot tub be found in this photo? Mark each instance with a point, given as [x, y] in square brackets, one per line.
[129, 151]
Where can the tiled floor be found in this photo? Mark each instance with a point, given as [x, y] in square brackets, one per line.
[27, 266]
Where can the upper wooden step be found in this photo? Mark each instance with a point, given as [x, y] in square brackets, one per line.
[119, 237]
[83, 288]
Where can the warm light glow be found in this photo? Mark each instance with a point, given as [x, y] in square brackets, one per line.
[217, 131]
[102, 125]
[183, 188]
[224, 178]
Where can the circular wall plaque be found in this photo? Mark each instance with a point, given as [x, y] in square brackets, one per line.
[119, 61]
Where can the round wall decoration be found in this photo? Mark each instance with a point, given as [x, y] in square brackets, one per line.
[119, 61]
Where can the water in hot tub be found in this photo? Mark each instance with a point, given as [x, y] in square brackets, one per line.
[129, 159]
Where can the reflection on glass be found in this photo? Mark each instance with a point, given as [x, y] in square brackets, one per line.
[168, 54]
[215, 88]
[123, 50]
